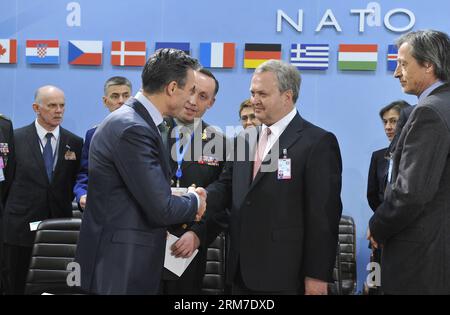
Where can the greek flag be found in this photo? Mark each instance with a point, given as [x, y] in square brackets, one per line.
[310, 56]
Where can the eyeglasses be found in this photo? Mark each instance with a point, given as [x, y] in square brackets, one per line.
[247, 117]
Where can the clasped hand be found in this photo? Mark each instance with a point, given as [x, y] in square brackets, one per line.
[201, 192]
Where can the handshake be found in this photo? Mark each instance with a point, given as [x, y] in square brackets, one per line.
[201, 192]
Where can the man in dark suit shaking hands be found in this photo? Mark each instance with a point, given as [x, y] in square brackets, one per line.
[412, 224]
[284, 216]
[123, 234]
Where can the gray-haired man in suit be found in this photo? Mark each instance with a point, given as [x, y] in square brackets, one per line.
[412, 224]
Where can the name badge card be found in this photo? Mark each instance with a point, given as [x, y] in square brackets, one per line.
[284, 168]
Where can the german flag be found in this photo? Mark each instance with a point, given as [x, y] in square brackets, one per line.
[256, 54]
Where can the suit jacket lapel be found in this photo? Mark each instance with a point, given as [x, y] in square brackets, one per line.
[243, 169]
[290, 135]
[140, 109]
[171, 143]
[247, 168]
[33, 141]
[62, 148]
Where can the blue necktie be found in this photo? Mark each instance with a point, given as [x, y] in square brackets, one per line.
[48, 155]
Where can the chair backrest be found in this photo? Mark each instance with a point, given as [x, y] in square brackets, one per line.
[76, 213]
[214, 279]
[54, 248]
[344, 273]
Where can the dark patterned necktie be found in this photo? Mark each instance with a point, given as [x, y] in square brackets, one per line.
[47, 153]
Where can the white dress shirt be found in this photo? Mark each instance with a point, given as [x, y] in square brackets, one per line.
[277, 129]
[41, 131]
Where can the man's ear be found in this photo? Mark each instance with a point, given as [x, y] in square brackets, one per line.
[211, 103]
[36, 108]
[171, 88]
[429, 66]
[288, 95]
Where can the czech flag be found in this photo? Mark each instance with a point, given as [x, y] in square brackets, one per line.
[85, 52]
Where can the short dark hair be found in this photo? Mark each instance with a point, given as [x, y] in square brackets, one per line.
[396, 105]
[118, 80]
[164, 66]
[209, 74]
[430, 46]
[245, 104]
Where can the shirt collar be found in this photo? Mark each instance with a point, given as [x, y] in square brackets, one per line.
[151, 109]
[277, 128]
[430, 89]
[41, 131]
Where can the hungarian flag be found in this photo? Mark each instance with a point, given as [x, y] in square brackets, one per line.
[42, 52]
[186, 47]
[85, 52]
[8, 51]
[256, 54]
[217, 55]
[128, 53]
[358, 57]
[392, 57]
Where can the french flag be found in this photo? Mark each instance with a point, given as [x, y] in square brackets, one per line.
[85, 52]
[42, 51]
[217, 55]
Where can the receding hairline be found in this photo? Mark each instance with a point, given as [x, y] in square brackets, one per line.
[45, 89]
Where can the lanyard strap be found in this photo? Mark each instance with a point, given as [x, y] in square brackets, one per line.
[180, 155]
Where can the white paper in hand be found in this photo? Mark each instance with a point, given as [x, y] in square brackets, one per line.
[176, 265]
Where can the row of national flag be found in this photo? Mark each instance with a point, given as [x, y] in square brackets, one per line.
[212, 55]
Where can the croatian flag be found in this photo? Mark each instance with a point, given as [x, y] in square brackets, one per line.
[392, 57]
[217, 55]
[85, 52]
[42, 52]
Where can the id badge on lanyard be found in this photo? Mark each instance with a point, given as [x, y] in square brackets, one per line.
[284, 167]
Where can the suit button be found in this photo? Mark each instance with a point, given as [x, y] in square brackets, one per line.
[248, 203]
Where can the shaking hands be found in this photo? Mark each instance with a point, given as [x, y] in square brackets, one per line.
[201, 192]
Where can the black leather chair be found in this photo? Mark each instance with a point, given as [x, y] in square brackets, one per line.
[214, 279]
[54, 248]
[76, 213]
[344, 273]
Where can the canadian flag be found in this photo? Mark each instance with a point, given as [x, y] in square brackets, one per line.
[128, 53]
[8, 51]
